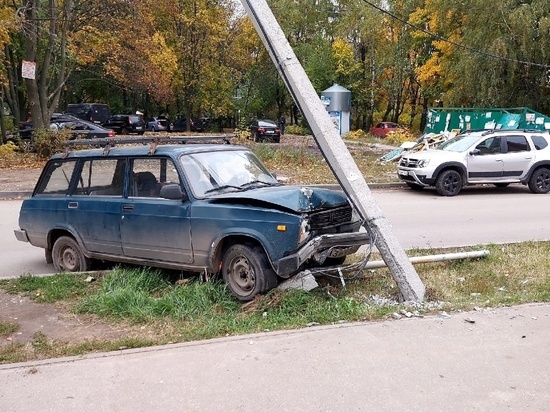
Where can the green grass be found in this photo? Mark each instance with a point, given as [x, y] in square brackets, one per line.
[174, 311]
[7, 328]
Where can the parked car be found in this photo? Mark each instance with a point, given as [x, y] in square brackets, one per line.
[383, 128]
[125, 124]
[208, 208]
[92, 112]
[180, 125]
[78, 129]
[158, 124]
[498, 157]
[265, 130]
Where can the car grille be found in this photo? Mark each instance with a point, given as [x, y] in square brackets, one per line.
[329, 218]
[408, 162]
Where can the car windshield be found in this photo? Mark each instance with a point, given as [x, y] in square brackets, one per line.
[210, 173]
[459, 143]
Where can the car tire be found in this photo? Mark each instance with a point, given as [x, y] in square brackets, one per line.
[247, 272]
[539, 183]
[414, 186]
[449, 183]
[68, 257]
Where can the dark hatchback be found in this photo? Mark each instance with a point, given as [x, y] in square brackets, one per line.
[265, 130]
[206, 208]
[125, 124]
[78, 129]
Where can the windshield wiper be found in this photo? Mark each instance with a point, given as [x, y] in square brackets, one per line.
[254, 183]
[220, 188]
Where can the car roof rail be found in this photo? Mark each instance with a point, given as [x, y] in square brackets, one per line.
[107, 143]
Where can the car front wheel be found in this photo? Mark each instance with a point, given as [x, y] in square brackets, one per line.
[539, 182]
[449, 183]
[68, 257]
[247, 272]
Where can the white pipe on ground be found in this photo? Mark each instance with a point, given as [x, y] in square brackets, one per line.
[434, 258]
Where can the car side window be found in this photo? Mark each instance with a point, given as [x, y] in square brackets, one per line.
[56, 178]
[517, 144]
[102, 177]
[150, 174]
[489, 146]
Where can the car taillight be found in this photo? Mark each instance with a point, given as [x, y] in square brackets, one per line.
[277, 130]
[111, 133]
[261, 129]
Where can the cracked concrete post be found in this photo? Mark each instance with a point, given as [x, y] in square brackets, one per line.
[333, 148]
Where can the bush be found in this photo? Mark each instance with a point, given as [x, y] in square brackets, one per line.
[355, 135]
[398, 138]
[296, 129]
[48, 142]
[8, 155]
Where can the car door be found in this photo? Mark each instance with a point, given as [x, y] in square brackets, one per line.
[152, 227]
[94, 208]
[485, 161]
[518, 157]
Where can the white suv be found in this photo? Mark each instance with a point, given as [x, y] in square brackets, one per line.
[498, 157]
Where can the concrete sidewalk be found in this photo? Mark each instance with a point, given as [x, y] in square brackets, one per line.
[500, 362]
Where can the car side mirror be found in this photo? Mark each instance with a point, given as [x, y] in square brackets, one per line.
[173, 192]
[475, 152]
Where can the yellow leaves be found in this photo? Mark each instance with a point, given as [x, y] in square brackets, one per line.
[344, 59]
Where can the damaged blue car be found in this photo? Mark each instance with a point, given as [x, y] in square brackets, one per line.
[208, 208]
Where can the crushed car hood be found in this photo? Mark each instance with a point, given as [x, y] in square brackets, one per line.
[295, 198]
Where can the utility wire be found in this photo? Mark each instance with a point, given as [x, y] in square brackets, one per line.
[460, 45]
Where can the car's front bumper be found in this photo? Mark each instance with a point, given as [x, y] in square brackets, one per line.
[334, 245]
[414, 176]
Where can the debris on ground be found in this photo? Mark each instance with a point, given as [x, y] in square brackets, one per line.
[424, 142]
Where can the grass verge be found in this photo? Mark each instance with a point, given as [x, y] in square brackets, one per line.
[167, 309]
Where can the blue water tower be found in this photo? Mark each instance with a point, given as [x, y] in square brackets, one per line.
[337, 100]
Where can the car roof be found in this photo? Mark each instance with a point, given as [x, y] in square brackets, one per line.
[172, 150]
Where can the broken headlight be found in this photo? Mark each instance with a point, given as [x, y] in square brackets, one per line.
[304, 230]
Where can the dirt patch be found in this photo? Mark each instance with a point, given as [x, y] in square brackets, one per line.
[53, 321]
[18, 180]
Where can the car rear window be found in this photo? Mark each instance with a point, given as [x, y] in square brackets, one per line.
[56, 178]
[540, 142]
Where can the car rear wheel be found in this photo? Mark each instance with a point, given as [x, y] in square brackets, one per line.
[247, 272]
[539, 182]
[68, 257]
[449, 183]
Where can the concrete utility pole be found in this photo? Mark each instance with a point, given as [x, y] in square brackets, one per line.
[333, 148]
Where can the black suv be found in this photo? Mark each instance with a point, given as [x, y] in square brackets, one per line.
[125, 124]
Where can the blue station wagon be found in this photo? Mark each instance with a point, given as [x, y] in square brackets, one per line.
[207, 208]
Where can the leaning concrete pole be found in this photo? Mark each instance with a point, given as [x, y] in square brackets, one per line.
[335, 151]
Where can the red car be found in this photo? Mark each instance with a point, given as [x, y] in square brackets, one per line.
[383, 128]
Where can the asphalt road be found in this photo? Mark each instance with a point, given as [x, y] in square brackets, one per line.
[479, 215]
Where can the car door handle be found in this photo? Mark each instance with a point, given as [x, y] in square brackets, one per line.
[73, 205]
[128, 207]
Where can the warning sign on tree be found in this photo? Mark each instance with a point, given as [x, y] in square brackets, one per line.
[28, 70]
